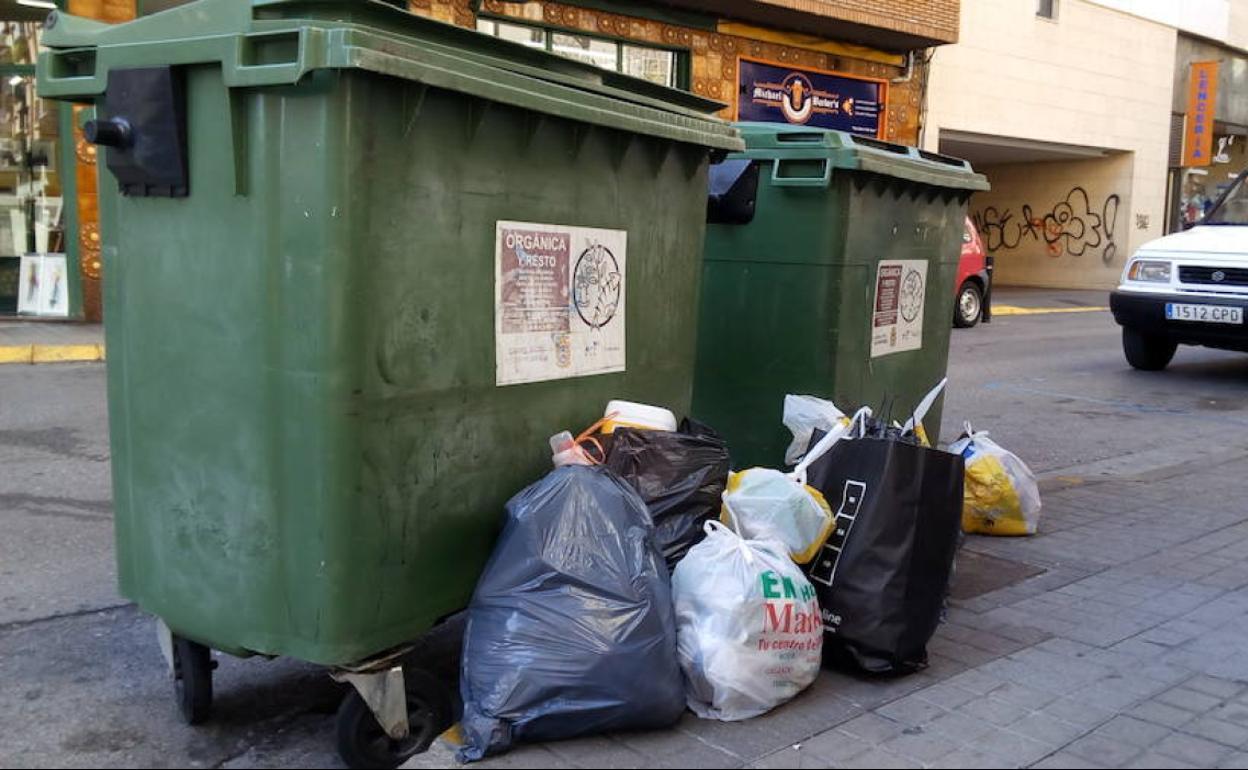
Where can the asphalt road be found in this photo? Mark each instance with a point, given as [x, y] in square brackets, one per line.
[83, 680]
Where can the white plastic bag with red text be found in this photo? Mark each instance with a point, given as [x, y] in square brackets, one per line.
[748, 632]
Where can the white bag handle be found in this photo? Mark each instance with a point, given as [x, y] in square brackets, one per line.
[970, 431]
[925, 405]
[828, 441]
[712, 526]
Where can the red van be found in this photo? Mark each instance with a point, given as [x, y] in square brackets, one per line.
[974, 282]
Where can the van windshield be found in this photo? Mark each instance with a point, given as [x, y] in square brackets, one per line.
[1233, 208]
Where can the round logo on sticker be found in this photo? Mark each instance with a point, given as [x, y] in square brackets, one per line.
[596, 284]
[911, 296]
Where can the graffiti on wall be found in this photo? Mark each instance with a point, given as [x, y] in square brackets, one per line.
[1071, 226]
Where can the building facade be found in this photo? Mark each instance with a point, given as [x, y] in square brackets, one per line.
[1101, 124]
[1065, 105]
[50, 262]
[857, 65]
[700, 46]
[1209, 119]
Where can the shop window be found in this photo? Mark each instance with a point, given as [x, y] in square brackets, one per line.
[31, 199]
[600, 53]
[1046, 9]
[516, 33]
[658, 65]
[653, 64]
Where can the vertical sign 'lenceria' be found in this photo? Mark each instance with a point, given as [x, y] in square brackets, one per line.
[778, 94]
[1202, 98]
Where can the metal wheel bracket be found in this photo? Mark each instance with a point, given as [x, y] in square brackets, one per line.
[165, 637]
[384, 692]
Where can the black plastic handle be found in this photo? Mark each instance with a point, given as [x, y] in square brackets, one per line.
[114, 132]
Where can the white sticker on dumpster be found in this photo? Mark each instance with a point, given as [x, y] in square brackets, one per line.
[897, 320]
[558, 301]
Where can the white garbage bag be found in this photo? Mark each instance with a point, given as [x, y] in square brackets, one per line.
[766, 503]
[763, 503]
[802, 415]
[748, 632]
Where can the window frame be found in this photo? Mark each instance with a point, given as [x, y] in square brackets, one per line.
[681, 61]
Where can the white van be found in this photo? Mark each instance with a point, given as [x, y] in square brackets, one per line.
[1190, 288]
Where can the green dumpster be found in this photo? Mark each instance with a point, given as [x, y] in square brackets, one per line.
[360, 266]
[829, 270]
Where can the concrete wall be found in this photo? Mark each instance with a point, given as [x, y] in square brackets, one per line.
[1060, 224]
[1097, 78]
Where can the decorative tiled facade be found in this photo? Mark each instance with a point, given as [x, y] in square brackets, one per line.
[713, 56]
[87, 173]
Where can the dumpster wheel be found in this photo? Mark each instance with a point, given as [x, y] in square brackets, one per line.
[363, 743]
[192, 679]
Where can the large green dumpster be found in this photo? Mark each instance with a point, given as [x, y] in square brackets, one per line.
[359, 267]
[829, 270]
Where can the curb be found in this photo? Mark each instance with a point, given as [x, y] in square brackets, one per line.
[51, 354]
[1004, 310]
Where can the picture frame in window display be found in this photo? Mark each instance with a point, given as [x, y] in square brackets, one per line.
[54, 286]
[30, 284]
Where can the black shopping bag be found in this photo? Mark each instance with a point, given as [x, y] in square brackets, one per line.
[883, 575]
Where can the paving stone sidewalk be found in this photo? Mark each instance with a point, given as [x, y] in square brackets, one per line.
[1118, 637]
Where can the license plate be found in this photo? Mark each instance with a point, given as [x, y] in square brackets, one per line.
[1212, 314]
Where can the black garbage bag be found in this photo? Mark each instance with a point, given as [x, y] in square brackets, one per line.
[571, 629]
[680, 476]
[883, 575]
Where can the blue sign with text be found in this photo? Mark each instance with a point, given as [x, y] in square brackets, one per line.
[773, 94]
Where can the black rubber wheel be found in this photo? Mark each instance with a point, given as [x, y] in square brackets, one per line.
[970, 305]
[1148, 352]
[192, 674]
[363, 744]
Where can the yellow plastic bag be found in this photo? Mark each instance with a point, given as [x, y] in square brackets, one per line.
[762, 503]
[1000, 495]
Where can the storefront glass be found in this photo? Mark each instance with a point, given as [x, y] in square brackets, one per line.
[1200, 188]
[658, 65]
[31, 210]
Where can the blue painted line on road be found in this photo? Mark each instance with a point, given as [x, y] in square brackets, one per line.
[1126, 406]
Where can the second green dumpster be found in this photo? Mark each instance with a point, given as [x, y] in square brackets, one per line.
[829, 270]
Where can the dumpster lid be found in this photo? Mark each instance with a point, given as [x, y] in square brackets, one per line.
[278, 42]
[860, 153]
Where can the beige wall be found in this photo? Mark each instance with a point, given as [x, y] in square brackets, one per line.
[1237, 37]
[1096, 77]
[1208, 18]
[1061, 224]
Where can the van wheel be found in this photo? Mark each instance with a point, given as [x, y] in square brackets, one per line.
[1149, 352]
[969, 307]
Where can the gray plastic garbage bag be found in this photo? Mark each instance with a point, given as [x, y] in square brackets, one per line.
[571, 630]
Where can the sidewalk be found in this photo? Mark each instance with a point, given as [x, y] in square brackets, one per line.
[26, 342]
[1115, 638]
